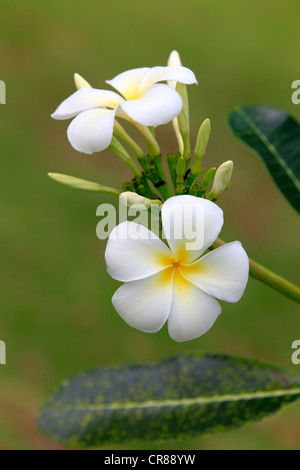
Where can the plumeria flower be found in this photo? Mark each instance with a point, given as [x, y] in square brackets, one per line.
[141, 98]
[174, 283]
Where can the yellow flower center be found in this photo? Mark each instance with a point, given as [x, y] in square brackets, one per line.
[173, 270]
[176, 264]
[132, 94]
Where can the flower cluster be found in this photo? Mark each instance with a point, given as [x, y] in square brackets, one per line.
[177, 282]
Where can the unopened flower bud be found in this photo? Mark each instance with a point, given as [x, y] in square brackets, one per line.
[174, 61]
[84, 185]
[181, 122]
[129, 198]
[201, 145]
[222, 178]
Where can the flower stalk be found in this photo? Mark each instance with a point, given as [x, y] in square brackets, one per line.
[151, 140]
[120, 132]
[268, 277]
[172, 162]
[155, 173]
[180, 170]
[122, 153]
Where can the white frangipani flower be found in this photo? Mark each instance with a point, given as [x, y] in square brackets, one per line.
[141, 98]
[174, 283]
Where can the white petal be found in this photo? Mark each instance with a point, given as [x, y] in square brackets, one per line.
[161, 74]
[145, 304]
[80, 82]
[84, 99]
[159, 105]
[192, 313]
[133, 252]
[223, 273]
[128, 83]
[91, 131]
[191, 225]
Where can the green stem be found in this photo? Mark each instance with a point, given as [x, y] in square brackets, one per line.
[152, 142]
[122, 153]
[159, 167]
[153, 169]
[172, 162]
[120, 132]
[268, 277]
[192, 178]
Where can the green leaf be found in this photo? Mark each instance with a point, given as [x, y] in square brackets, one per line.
[179, 397]
[275, 136]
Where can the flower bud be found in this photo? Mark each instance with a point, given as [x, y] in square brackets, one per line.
[174, 61]
[207, 178]
[201, 144]
[222, 178]
[202, 139]
[129, 198]
[78, 183]
[183, 119]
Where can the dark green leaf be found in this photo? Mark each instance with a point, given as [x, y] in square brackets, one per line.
[275, 136]
[179, 397]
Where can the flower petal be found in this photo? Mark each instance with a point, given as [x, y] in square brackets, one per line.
[160, 74]
[128, 83]
[145, 304]
[84, 99]
[223, 273]
[159, 105]
[191, 225]
[91, 131]
[133, 252]
[192, 313]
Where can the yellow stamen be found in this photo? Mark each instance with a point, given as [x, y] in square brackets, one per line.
[174, 269]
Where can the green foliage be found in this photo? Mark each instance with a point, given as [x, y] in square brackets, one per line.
[183, 396]
[275, 136]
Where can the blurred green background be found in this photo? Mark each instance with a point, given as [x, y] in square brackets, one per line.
[55, 311]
